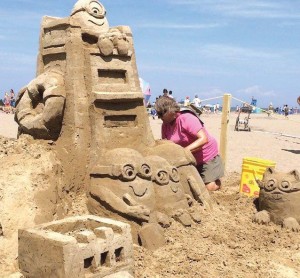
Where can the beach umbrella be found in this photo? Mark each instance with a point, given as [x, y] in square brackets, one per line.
[145, 87]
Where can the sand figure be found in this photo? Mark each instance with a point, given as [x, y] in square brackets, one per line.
[184, 162]
[170, 196]
[279, 199]
[122, 184]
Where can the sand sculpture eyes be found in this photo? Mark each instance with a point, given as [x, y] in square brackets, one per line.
[279, 199]
[91, 15]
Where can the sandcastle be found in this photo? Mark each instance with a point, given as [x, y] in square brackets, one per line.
[87, 102]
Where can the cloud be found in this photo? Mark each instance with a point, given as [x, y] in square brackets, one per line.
[7, 14]
[180, 26]
[223, 51]
[245, 9]
[16, 60]
[174, 69]
[212, 93]
[258, 91]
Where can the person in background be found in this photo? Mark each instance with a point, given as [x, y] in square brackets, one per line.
[270, 109]
[214, 108]
[165, 93]
[12, 98]
[6, 101]
[171, 94]
[217, 108]
[185, 129]
[197, 101]
[286, 111]
[186, 101]
[153, 113]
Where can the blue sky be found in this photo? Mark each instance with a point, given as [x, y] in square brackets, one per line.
[205, 47]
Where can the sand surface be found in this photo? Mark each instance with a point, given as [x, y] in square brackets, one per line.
[225, 244]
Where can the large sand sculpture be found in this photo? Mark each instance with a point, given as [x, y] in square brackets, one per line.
[87, 105]
[87, 98]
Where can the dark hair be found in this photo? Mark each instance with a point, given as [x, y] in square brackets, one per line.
[165, 91]
[164, 104]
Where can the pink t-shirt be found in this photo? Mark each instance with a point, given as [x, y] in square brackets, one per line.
[183, 131]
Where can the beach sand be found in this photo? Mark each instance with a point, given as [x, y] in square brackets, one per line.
[226, 243]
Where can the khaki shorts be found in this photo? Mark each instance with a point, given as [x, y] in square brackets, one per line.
[211, 170]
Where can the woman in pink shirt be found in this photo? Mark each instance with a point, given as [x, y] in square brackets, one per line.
[187, 130]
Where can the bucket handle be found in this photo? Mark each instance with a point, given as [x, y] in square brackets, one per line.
[254, 174]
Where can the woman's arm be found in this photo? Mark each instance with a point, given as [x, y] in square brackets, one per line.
[199, 142]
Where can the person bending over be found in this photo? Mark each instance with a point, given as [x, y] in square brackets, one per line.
[187, 130]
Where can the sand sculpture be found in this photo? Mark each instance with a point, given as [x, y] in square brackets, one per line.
[87, 100]
[81, 246]
[279, 199]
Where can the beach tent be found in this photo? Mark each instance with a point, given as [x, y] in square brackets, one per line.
[145, 87]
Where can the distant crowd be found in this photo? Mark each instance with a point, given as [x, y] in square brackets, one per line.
[194, 103]
[8, 103]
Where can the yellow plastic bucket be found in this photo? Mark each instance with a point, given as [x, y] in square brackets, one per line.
[253, 169]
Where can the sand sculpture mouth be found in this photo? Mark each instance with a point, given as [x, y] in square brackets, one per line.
[277, 196]
[98, 24]
[139, 191]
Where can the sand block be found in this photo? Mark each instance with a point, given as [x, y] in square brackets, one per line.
[151, 236]
[74, 247]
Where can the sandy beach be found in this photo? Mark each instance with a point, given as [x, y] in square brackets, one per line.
[225, 244]
[8, 127]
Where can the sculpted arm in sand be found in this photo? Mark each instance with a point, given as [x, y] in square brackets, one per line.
[40, 106]
[122, 205]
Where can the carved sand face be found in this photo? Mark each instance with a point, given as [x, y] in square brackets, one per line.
[280, 195]
[91, 15]
[280, 187]
[168, 189]
[128, 167]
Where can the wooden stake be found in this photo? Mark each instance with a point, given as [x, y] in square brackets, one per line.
[224, 127]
